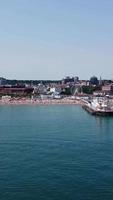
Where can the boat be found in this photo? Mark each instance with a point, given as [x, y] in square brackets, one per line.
[99, 106]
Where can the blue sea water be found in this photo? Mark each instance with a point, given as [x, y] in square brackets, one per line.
[55, 153]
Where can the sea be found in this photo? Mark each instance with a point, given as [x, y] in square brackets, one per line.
[55, 152]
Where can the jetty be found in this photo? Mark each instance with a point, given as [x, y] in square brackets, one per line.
[99, 106]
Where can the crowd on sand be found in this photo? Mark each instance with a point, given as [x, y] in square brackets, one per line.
[28, 101]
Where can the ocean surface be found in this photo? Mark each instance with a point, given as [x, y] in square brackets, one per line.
[55, 152]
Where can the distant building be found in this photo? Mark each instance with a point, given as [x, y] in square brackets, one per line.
[83, 83]
[76, 79]
[69, 79]
[94, 80]
[2, 81]
[100, 81]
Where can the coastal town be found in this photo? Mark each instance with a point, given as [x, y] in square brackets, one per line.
[69, 90]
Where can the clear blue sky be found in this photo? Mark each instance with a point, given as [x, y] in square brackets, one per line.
[49, 39]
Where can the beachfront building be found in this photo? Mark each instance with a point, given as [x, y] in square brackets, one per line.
[107, 89]
[41, 89]
[15, 91]
[98, 93]
[56, 89]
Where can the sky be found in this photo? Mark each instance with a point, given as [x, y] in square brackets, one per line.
[51, 39]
